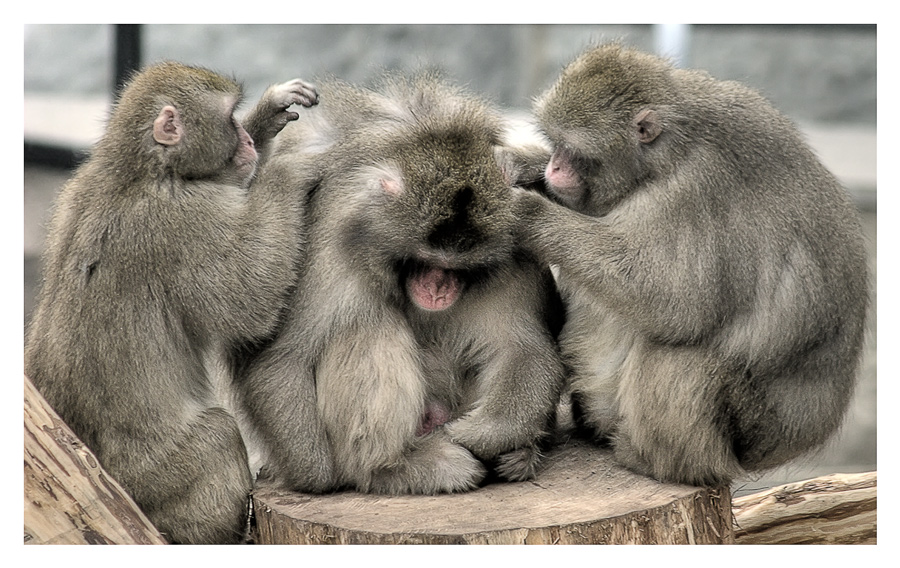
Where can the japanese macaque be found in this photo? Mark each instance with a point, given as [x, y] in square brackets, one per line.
[713, 269]
[163, 258]
[416, 356]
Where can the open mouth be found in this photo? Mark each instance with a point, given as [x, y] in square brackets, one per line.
[434, 288]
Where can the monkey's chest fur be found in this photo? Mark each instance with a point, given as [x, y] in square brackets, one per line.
[451, 348]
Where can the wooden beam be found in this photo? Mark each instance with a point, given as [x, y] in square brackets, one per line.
[834, 509]
[69, 498]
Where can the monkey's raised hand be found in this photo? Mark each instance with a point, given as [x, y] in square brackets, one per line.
[271, 114]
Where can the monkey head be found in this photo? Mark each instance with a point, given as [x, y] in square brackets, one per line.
[183, 120]
[605, 127]
[439, 219]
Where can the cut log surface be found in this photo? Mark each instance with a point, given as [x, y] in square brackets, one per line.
[69, 497]
[834, 509]
[580, 497]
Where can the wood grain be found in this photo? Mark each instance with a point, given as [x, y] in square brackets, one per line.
[69, 498]
[581, 497]
[834, 509]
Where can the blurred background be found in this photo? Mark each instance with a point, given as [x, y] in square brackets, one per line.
[823, 76]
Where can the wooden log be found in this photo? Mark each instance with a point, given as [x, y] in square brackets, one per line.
[580, 497]
[69, 498]
[834, 509]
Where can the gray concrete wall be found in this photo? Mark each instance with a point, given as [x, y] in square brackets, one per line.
[813, 73]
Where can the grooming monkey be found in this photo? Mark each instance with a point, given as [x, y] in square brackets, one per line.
[417, 345]
[162, 258]
[713, 269]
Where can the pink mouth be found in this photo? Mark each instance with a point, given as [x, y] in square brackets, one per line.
[434, 289]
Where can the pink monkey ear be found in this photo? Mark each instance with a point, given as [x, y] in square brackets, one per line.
[167, 128]
[648, 126]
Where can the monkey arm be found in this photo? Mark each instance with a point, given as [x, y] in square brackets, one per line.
[520, 373]
[637, 261]
[237, 257]
[271, 114]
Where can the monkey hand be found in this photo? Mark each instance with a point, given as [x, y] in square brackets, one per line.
[271, 114]
[296, 91]
[488, 435]
[528, 206]
[529, 210]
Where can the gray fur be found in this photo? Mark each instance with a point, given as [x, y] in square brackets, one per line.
[340, 393]
[159, 264]
[713, 269]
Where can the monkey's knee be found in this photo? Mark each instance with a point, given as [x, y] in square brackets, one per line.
[212, 516]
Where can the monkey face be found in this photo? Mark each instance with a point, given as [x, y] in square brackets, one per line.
[245, 158]
[226, 151]
[600, 125]
[461, 232]
[436, 220]
[564, 180]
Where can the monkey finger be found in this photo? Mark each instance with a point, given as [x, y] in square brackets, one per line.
[292, 92]
[304, 93]
[308, 97]
[527, 204]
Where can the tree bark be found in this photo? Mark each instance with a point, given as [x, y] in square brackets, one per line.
[834, 509]
[69, 498]
[580, 497]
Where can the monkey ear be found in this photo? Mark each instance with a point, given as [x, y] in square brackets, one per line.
[167, 128]
[647, 125]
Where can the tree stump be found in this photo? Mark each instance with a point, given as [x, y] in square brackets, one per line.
[580, 497]
[69, 497]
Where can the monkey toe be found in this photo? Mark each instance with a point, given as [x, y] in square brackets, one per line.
[519, 465]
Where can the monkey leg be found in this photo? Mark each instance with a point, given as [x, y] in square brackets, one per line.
[371, 396]
[784, 413]
[520, 464]
[670, 429]
[279, 390]
[433, 464]
[595, 346]
[196, 489]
